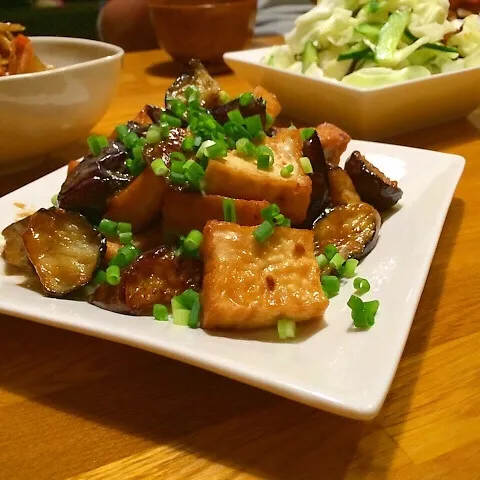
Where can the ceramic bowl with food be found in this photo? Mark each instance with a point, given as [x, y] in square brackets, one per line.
[203, 29]
[45, 110]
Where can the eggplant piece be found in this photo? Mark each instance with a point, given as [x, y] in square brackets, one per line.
[64, 249]
[200, 78]
[320, 196]
[156, 277]
[353, 229]
[93, 180]
[166, 147]
[110, 297]
[373, 186]
[257, 107]
[14, 251]
[342, 190]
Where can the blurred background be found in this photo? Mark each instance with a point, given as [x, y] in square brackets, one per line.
[69, 18]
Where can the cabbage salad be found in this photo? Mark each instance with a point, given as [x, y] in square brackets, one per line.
[371, 43]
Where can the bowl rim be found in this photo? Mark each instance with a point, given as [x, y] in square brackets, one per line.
[208, 4]
[232, 56]
[112, 53]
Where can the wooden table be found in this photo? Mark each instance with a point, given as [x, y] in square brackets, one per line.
[74, 406]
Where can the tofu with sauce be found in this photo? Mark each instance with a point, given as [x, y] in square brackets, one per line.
[238, 177]
[334, 142]
[248, 284]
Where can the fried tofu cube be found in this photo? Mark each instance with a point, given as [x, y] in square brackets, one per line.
[183, 211]
[250, 285]
[238, 177]
[334, 142]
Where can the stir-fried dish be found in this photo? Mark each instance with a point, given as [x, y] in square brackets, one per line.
[16, 52]
[369, 43]
[206, 208]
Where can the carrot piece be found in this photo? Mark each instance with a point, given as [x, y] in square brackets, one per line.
[140, 202]
[273, 105]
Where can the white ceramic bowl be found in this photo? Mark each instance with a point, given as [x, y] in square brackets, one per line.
[367, 114]
[41, 112]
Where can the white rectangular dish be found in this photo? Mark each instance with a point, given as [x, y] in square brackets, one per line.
[369, 114]
[337, 368]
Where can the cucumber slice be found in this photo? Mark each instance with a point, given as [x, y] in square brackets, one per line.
[358, 52]
[309, 56]
[441, 48]
[389, 37]
[370, 30]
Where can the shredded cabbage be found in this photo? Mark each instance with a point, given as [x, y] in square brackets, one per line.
[468, 40]
[379, 76]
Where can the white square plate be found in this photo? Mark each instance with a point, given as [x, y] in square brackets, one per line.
[337, 368]
[368, 114]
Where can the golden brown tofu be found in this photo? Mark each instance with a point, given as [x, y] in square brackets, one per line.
[342, 190]
[334, 142]
[238, 177]
[183, 211]
[248, 284]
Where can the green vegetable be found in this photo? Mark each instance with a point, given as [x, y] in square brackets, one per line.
[369, 30]
[194, 317]
[330, 285]
[188, 298]
[309, 56]
[236, 117]
[286, 328]
[153, 135]
[358, 53]
[96, 143]
[306, 165]
[307, 133]
[113, 275]
[100, 277]
[246, 99]
[159, 168]
[362, 285]
[330, 251]
[160, 312]
[245, 147]
[348, 269]
[229, 212]
[337, 261]
[390, 36]
[286, 171]
[263, 231]
[363, 313]
[322, 260]
[108, 228]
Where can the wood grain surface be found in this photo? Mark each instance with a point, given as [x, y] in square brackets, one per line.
[78, 407]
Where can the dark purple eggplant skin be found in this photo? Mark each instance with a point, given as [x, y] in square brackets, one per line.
[373, 186]
[320, 196]
[154, 112]
[94, 180]
[256, 107]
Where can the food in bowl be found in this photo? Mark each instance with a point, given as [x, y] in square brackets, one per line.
[207, 207]
[375, 43]
[17, 54]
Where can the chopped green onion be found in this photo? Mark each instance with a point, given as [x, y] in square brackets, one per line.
[178, 156]
[254, 124]
[160, 312]
[337, 261]
[193, 240]
[108, 228]
[179, 313]
[177, 107]
[165, 130]
[203, 147]
[348, 269]
[187, 144]
[263, 231]
[270, 212]
[363, 313]
[194, 318]
[286, 171]
[246, 99]
[171, 120]
[54, 200]
[191, 93]
[217, 150]
[130, 139]
[125, 237]
[154, 135]
[307, 133]
[263, 162]
[224, 97]
[100, 277]
[134, 166]
[245, 147]
[188, 298]
[125, 255]
[286, 328]
[306, 165]
[236, 117]
[178, 178]
[362, 285]
[96, 143]
[373, 6]
[124, 227]
[159, 168]
[229, 212]
[137, 152]
[121, 131]
[112, 275]
[331, 285]
[322, 260]
[210, 124]
[194, 174]
[330, 251]
[355, 303]
[268, 121]
[177, 166]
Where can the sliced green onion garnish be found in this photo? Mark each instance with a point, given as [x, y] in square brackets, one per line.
[171, 120]
[286, 328]
[121, 131]
[245, 147]
[246, 99]
[331, 285]
[322, 260]
[363, 313]
[348, 269]
[54, 200]
[130, 139]
[306, 165]
[124, 227]
[187, 144]
[307, 133]
[188, 298]
[236, 117]
[154, 135]
[160, 312]
[263, 162]
[263, 231]
[180, 314]
[108, 228]
[113, 275]
[203, 147]
[286, 171]
[361, 285]
[177, 166]
[270, 212]
[178, 156]
[159, 168]
[178, 178]
[337, 261]
[125, 238]
[194, 318]
[268, 121]
[224, 97]
[217, 150]
[96, 143]
[194, 174]
[330, 251]
[229, 212]
[177, 107]
[279, 220]
[137, 152]
[100, 277]
[125, 255]
[193, 240]
[191, 93]
[165, 130]
[135, 167]
[254, 124]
